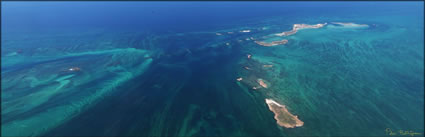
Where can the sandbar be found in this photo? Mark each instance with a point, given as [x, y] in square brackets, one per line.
[267, 66]
[256, 87]
[297, 27]
[350, 24]
[274, 43]
[74, 69]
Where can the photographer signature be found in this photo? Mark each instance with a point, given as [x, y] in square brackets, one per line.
[390, 132]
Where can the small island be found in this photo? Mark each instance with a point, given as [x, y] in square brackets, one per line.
[262, 83]
[239, 79]
[283, 117]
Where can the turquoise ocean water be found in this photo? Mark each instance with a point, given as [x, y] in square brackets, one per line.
[171, 68]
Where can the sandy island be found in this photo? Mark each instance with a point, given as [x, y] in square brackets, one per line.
[297, 27]
[283, 117]
[274, 43]
[239, 79]
[262, 83]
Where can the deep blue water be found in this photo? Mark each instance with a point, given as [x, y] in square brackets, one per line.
[174, 16]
